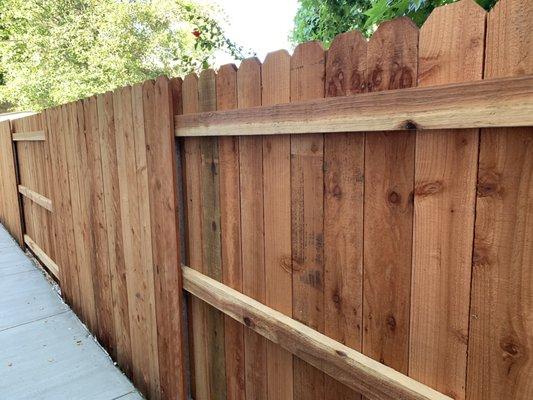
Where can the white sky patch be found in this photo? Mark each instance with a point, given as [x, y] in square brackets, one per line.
[260, 25]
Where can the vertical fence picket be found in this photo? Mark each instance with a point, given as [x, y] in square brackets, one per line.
[211, 251]
[277, 221]
[501, 313]
[113, 227]
[450, 50]
[193, 213]
[389, 178]
[75, 152]
[252, 227]
[51, 119]
[164, 236]
[343, 207]
[64, 184]
[230, 225]
[97, 223]
[307, 214]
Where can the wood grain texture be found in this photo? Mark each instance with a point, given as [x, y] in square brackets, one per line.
[361, 373]
[230, 220]
[211, 247]
[131, 159]
[36, 197]
[277, 221]
[113, 227]
[76, 157]
[252, 227]
[162, 185]
[62, 182]
[494, 103]
[50, 265]
[10, 211]
[194, 258]
[307, 214]
[35, 136]
[392, 61]
[450, 50]
[97, 222]
[501, 314]
[58, 193]
[343, 207]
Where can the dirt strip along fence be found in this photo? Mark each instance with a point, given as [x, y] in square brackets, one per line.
[413, 247]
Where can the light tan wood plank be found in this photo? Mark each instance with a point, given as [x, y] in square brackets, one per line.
[35, 136]
[502, 102]
[42, 256]
[361, 373]
[36, 197]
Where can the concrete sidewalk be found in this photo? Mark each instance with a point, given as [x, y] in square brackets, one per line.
[45, 351]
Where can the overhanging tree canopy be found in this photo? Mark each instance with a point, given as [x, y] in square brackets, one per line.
[324, 19]
[55, 51]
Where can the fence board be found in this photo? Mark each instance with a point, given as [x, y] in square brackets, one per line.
[277, 221]
[354, 369]
[62, 188]
[450, 50]
[307, 214]
[161, 153]
[389, 175]
[343, 207]
[135, 225]
[52, 118]
[35, 136]
[97, 222]
[10, 209]
[230, 225]
[211, 251]
[504, 102]
[193, 212]
[501, 314]
[113, 227]
[75, 152]
[252, 227]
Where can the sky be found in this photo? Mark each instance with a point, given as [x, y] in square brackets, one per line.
[261, 25]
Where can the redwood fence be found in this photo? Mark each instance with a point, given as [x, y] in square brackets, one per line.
[379, 193]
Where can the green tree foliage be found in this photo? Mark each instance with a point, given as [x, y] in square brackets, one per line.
[324, 19]
[55, 51]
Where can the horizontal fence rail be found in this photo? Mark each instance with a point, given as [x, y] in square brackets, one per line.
[357, 371]
[42, 256]
[489, 103]
[43, 201]
[35, 136]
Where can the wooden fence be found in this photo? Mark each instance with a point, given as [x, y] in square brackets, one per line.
[342, 212]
